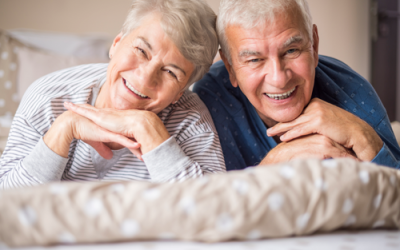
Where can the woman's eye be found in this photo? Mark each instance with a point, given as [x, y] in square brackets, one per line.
[291, 51]
[141, 51]
[171, 73]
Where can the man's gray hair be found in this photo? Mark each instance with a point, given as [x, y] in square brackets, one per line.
[250, 13]
[190, 24]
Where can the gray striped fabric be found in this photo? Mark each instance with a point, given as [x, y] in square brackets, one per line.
[188, 122]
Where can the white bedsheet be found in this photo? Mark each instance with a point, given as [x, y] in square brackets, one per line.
[342, 240]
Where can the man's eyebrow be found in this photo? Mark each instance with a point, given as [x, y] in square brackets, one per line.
[178, 68]
[245, 53]
[146, 42]
[293, 39]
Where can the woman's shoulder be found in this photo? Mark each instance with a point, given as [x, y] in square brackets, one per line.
[189, 111]
[190, 102]
[67, 80]
[71, 83]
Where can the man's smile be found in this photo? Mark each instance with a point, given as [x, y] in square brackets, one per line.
[281, 96]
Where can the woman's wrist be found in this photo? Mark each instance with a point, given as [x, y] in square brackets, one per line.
[150, 131]
[60, 135]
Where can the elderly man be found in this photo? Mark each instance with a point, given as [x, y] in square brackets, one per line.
[274, 99]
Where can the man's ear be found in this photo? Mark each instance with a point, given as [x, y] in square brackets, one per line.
[232, 76]
[315, 43]
[115, 44]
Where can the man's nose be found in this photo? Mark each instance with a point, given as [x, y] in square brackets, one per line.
[278, 74]
[147, 75]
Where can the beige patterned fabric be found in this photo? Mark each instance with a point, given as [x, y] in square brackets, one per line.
[8, 74]
[296, 198]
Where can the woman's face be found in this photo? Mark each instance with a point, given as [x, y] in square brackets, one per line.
[146, 72]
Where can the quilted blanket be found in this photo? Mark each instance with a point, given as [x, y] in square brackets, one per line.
[296, 198]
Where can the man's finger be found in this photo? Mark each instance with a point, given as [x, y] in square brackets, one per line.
[298, 131]
[283, 127]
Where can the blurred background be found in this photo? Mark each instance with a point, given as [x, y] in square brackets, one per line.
[361, 33]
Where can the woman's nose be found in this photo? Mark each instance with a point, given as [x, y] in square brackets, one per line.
[277, 75]
[147, 75]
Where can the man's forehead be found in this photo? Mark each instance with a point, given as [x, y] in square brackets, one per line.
[253, 48]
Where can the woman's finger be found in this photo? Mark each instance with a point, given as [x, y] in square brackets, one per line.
[87, 111]
[111, 120]
[137, 153]
[101, 148]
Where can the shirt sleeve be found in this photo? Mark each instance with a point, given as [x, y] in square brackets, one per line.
[386, 158]
[192, 158]
[27, 160]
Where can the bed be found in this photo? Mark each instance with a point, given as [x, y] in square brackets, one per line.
[304, 204]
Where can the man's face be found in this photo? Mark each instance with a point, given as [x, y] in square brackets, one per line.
[274, 66]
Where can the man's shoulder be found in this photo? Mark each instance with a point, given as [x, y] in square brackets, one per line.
[216, 78]
[216, 91]
[338, 84]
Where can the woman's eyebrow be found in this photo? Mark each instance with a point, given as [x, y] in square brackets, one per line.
[292, 40]
[146, 42]
[178, 68]
[151, 49]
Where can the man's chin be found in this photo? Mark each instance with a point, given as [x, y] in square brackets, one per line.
[282, 118]
[273, 118]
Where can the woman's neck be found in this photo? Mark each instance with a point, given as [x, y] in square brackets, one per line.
[103, 99]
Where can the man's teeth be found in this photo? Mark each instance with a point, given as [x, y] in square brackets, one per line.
[134, 90]
[281, 96]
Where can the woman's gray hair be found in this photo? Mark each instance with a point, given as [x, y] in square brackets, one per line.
[190, 24]
[250, 13]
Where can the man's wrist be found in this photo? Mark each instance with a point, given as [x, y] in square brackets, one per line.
[367, 142]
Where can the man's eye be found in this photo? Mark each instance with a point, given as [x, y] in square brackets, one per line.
[293, 53]
[254, 60]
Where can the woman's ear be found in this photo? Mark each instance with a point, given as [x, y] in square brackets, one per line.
[178, 97]
[114, 45]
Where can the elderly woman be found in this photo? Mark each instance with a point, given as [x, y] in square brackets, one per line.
[159, 130]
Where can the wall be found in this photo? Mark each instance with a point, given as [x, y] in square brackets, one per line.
[343, 27]
[343, 24]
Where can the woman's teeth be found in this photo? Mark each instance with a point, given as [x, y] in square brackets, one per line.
[281, 96]
[134, 90]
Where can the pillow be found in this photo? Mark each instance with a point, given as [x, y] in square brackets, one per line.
[80, 46]
[34, 64]
[296, 198]
[8, 75]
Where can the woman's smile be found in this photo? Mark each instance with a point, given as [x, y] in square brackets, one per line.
[133, 90]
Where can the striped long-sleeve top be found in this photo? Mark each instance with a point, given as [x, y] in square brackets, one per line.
[192, 150]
